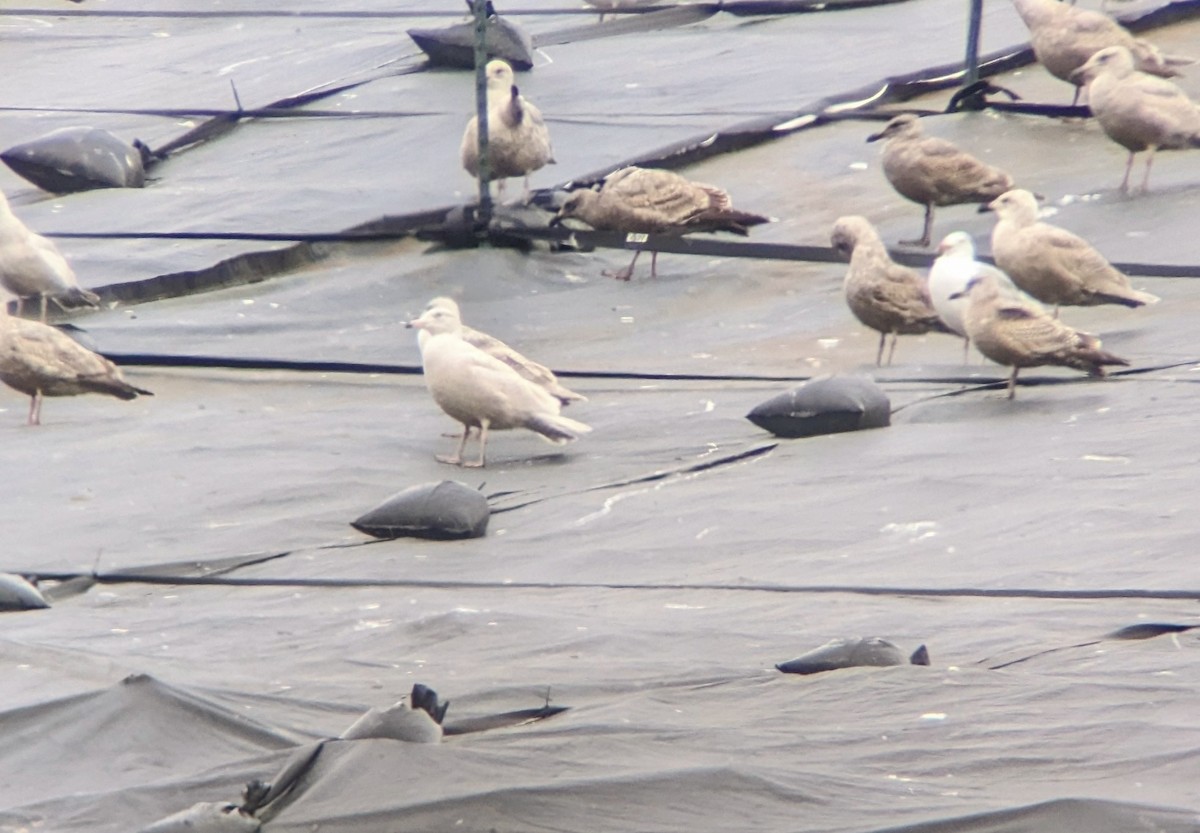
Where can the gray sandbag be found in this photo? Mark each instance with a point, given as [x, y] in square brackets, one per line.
[18, 593]
[206, 817]
[79, 159]
[454, 46]
[1148, 630]
[441, 511]
[825, 405]
[852, 653]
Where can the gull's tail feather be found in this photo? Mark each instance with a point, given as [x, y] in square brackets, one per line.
[557, 429]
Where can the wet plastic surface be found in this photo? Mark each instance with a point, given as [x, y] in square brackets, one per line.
[648, 576]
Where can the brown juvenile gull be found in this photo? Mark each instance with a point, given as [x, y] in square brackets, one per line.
[1064, 37]
[1052, 264]
[932, 171]
[1016, 333]
[39, 360]
[887, 297]
[654, 201]
[518, 141]
[1136, 110]
[32, 267]
[527, 368]
[481, 391]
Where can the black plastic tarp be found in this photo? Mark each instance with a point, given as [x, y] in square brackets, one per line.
[219, 613]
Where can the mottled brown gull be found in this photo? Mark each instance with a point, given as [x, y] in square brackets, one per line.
[1016, 333]
[1064, 37]
[1136, 110]
[32, 267]
[654, 201]
[39, 360]
[527, 368]
[483, 392]
[518, 141]
[882, 294]
[932, 171]
[1052, 264]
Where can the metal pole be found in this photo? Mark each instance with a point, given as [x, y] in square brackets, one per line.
[973, 28]
[481, 111]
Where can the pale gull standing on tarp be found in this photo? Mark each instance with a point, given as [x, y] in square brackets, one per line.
[527, 368]
[1052, 264]
[481, 391]
[654, 201]
[32, 267]
[614, 6]
[1017, 333]
[39, 360]
[518, 141]
[1136, 110]
[932, 171]
[887, 297]
[954, 268]
[1064, 37]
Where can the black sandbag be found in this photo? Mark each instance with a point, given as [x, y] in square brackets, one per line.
[825, 405]
[455, 46]
[441, 511]
[18, 593]
[78, 159]
[1148, 630]
[852, 653]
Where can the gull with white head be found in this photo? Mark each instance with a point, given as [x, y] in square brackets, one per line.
[480, 391]
[954, 268]
[527, 368]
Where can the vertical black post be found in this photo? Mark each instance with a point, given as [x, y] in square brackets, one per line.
[480, 8]
[973, 28]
